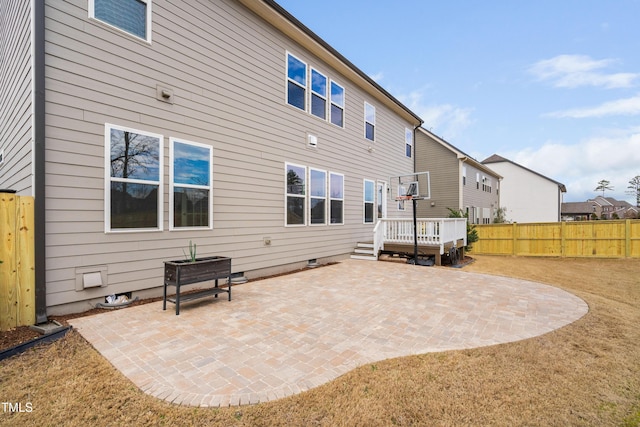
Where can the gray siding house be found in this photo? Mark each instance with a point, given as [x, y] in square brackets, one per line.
[458, 181]
[141, 125]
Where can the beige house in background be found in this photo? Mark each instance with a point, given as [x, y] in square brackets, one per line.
[227, 123]
[457, 181]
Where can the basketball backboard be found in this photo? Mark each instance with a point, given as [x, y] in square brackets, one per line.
[417, 185]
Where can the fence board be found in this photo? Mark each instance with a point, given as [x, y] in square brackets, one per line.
[17, 270]
[603, 239]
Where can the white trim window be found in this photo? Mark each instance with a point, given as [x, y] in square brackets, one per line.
[408, 142]
[130, 16]
[133, 177]
[318, 94]
[369, 121]
[296, 82]
[336, 198]
[337, 104]
[317, 196]
[295, 194]
[190, 185]
[368, 199]
[464, 175]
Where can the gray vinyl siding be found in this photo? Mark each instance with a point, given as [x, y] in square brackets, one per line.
[227, 70]
[16, 100]
[445, 175]
[474, 197]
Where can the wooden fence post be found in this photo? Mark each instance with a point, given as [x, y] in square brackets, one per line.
[627, 238]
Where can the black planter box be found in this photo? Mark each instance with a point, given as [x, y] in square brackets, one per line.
[184, 272]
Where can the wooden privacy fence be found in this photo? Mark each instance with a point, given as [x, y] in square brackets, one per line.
[17, 270]
[603, 239]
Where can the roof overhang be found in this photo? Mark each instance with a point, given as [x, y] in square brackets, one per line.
[277, 16]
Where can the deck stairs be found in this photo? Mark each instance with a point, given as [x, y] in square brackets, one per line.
[364, 251]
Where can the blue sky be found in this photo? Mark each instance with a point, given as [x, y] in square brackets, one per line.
[551, 85]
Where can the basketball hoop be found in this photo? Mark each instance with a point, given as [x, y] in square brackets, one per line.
[404, 197]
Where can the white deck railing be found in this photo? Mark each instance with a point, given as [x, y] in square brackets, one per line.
[431, 232]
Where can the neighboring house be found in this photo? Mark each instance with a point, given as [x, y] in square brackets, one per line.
[139, 125]
[528, 196]
[601, 207]
[458, 181]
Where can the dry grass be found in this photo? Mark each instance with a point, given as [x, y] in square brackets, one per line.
[587, 373]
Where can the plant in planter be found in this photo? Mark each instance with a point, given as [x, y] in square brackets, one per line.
[195, 270]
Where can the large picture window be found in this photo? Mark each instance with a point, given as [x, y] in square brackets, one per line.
[336, 198]
[318, 196]
[131, 16]
[191, 179]
[295, 194]
[133, 194]
[296, 82]
[369, 201]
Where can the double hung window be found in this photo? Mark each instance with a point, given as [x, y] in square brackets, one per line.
[369, 121]
[318, 196]
[131, 16]
[133, 194]
[337, 104]
[408, 142]
[190, 185]
[296, 82]
[318, 95]
[369, 201]
[336, 198]
[296, 194]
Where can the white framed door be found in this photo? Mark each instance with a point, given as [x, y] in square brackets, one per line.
[381, 199]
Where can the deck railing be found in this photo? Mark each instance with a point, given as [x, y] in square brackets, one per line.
[431, 232]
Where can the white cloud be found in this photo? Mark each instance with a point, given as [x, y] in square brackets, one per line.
[627, 107]
[571, 71]
[445, 120]
[614, 157]
[377, 77]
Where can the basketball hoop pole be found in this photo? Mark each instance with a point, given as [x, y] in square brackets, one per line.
[415, 233]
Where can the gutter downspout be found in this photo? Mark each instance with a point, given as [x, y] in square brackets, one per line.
[39, 160]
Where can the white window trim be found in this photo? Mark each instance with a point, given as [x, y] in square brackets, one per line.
[109, 179]
[342, 107]
[172, 141]
[364, 201]
[149, 20]
[335, 198]
[371, 123]
[287, 80]
[408, 141]
[325, 198]
[304, 196]
[312, 92]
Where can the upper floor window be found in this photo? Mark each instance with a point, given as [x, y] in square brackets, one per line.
[133, 194]
[131, 16]
[190, 185]
[337, 104]
[296, 82]
[318, 95]
[464, 175]
[369, 121]
[408, 141]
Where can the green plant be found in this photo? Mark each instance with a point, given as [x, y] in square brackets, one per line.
[192, 252]
[472, 233]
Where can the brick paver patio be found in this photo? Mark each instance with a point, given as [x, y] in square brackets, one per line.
[287, 334]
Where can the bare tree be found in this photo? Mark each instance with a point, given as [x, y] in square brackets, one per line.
[604, 185]
[634, 189]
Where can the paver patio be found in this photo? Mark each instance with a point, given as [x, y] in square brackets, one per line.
[287, 334]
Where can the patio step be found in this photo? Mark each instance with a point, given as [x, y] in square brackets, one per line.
[364, 251]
